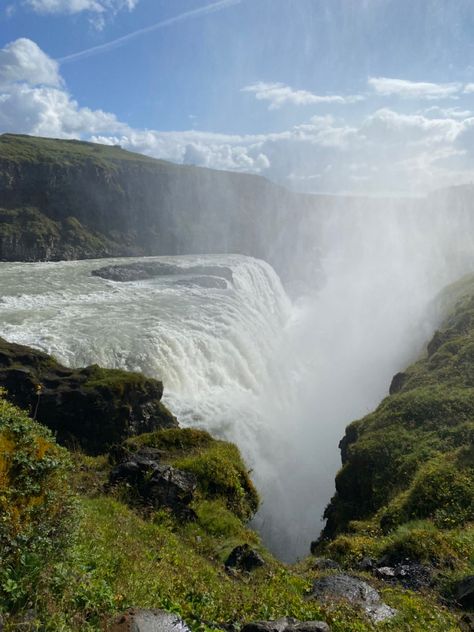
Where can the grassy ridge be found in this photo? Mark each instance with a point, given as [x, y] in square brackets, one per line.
[22, 148]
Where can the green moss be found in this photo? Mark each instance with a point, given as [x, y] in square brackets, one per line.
[221, 473]
[175, 441]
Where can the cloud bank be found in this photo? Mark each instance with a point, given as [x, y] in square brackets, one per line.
[278, 94]
[380, 152]
[78, 6]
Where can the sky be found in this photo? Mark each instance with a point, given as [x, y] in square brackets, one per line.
[327, 96]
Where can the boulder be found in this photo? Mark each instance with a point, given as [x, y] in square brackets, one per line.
[158, 485]
[464, 592]
[244, 558]
[286, 624]
[356, 592]
[137, 620]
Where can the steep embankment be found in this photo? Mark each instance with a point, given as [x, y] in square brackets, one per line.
[66, 199]
[405, 493]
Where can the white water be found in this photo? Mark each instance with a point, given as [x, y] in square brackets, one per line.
[280, 379]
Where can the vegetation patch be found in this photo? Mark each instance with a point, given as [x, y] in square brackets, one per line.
[36, 505]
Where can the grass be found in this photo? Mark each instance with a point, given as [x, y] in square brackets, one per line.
[23, 148]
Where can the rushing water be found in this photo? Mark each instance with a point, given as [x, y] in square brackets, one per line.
[279, 378]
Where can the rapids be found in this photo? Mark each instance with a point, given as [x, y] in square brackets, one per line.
[279, 377]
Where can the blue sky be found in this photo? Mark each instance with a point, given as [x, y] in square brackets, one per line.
[362, 96]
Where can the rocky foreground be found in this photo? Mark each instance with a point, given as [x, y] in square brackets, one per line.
[115, 518]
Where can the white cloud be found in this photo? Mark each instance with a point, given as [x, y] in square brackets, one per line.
[386, 86]
[77, 6]
[385, 151]
[23, 60]
[469, 88]
[278, 94]
[456, 113]
[409, 129]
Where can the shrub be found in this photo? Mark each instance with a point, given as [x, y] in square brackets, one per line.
[36, 504]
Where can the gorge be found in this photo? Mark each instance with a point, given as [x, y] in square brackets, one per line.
[273, 337]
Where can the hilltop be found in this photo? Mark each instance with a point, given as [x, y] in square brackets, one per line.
[69, 199]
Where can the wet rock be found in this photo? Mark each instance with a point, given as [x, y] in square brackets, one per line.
[464, 592]
[140, 271]
[244, 558]
[356, 592]
[208, 282]
[286, 624]
[325, 564]
[137, 620]
[157, 484]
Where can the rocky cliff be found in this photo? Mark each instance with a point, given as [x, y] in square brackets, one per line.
[65, 199]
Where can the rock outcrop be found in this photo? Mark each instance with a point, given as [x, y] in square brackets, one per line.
[356, 592]
[143, 270]
[91, 407]
[67, 199]
[156, 484]
[244, 558]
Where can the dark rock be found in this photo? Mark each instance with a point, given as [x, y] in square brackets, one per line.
[397, 383]
[466, 623]
[140, 271]
[280, 625]
[324, 564]
[92, 407]
[156, 484]
[464, 592]
[137, 620]
[356, 592]
[366, 564]
[286, 624]
[244, 558]
[412, 575]
[439, 338]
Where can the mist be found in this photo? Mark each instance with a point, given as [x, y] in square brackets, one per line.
[326, 161]
[370, 313]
